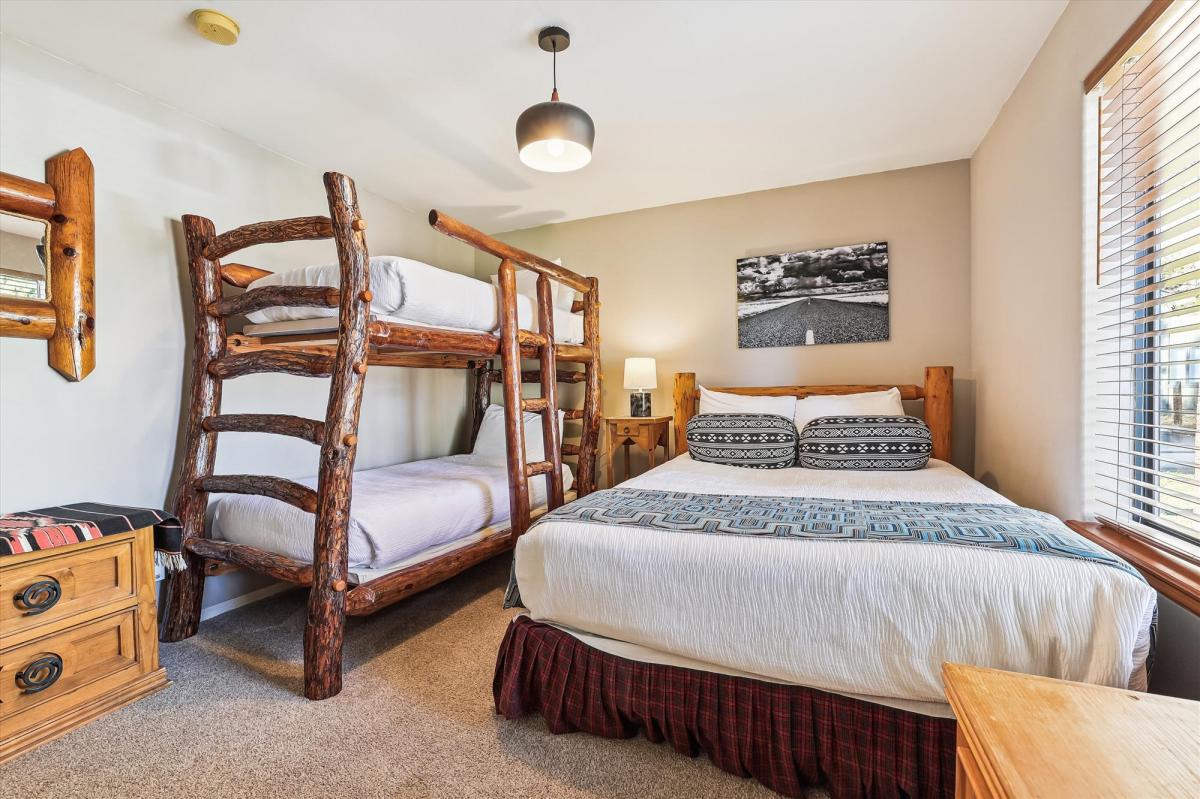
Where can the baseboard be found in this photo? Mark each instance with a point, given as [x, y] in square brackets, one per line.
[248, 598]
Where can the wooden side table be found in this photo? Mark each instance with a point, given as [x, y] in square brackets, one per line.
[648, 432]
[1026, 736]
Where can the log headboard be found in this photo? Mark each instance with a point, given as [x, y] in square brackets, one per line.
[937, 392]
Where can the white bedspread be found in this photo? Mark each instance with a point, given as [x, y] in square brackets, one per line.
[857, 617]
[395, 511]
[411, 292]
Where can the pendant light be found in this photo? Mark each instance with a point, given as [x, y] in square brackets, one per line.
[555, 136]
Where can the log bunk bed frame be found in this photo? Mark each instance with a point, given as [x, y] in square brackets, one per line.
[344, 356]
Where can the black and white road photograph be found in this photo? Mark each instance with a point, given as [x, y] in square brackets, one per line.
[835, 295]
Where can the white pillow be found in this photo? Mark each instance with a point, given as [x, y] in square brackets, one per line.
[490, 443]
[566, 295]
[722, 402]
[870, 403]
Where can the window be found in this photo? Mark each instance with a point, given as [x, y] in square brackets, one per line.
[1144, 310]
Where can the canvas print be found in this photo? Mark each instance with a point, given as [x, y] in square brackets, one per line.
[829, 296]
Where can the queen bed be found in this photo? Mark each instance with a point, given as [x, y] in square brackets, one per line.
[792, 623]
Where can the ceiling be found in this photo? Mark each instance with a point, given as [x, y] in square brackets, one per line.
[417, 100]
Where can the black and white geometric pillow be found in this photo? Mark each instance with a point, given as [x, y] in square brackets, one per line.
[749, 440]
[884, 443]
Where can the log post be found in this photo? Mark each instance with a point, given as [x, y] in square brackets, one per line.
[73, 264]
[589, 441]
[685, 407]
[185, 590]
[481, 397]
[514, 422]
[939, 408]
[551, 435]
[325, 630]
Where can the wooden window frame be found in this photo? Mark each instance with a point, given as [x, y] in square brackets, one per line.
[1117, 52]
[67, 320]
[1172, 572]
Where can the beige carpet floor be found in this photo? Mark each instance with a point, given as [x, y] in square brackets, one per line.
[415, 719]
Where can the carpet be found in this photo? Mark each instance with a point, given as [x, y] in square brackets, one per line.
[414, 719]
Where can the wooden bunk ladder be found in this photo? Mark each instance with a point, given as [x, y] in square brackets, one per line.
[336, 435]
[512, 340]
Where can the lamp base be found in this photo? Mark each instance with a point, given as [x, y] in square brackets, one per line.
[639, 404]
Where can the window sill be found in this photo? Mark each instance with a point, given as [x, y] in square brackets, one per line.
[1173, 575]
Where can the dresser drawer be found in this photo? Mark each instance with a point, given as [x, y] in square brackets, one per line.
[49, 676]
[40, 590]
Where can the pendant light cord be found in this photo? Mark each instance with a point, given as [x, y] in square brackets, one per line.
[554, 68]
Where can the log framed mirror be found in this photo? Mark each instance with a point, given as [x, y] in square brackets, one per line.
[48, 261]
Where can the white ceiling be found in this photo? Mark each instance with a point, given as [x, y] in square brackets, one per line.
[417, 100]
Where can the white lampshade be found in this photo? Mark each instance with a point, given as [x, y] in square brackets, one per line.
[640, 374]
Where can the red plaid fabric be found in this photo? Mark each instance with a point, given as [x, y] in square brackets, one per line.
[785, 736]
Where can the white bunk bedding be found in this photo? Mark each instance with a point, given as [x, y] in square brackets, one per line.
[409, 292]
[872, 619]
[399, 515]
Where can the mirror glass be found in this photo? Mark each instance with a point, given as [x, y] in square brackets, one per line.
[23, 243]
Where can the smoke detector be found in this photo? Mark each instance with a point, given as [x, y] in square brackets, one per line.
[215, 26]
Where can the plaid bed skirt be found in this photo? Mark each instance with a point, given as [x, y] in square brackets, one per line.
[785, 736]
[45, 528]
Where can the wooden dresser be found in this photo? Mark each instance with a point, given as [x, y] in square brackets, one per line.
[77, 636]
[1026, 736]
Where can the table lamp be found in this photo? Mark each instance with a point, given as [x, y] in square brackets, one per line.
[640, 378]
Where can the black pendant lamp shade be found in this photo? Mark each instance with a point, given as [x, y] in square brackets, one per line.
[555, 136]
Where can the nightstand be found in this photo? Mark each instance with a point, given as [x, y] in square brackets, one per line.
[647, 432]
[1026, 736]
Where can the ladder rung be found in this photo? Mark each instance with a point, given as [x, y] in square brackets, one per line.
[535, 405]
[562, 376]
[277, 423]
[294, 363]
[570, 449]
[302, 497]
[279, 230]
[573, 413]
[274, 297]
[538, 467]
[529, 338]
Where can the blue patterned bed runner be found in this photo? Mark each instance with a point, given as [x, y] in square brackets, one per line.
[999, 527]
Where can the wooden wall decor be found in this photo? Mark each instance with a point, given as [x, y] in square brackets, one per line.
[67, 319]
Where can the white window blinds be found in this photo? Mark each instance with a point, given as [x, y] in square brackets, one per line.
[1145, 330]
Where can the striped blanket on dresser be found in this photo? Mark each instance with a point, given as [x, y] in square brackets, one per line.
[997, 527]
[62, 525]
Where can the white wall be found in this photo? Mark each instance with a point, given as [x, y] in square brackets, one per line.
[1027, 298]
[114, 436]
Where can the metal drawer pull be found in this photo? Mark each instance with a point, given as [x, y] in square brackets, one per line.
[40, 674]
[38, 597]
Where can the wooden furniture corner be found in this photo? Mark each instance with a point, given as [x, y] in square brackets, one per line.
[67, 320]
[1025, 736]
[646, 432]
[1170, 572]
[77, 636]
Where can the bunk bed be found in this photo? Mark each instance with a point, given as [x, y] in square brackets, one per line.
[343, 352]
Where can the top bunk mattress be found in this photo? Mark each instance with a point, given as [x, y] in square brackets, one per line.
[396, 511]
[723, 566]
[410, 292]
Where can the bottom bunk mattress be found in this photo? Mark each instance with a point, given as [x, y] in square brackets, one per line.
[399, 514]
[849, 582]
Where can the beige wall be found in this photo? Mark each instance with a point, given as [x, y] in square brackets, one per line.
[1027, 245]
[667, 282]
[114, 437]
[1028, 265]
